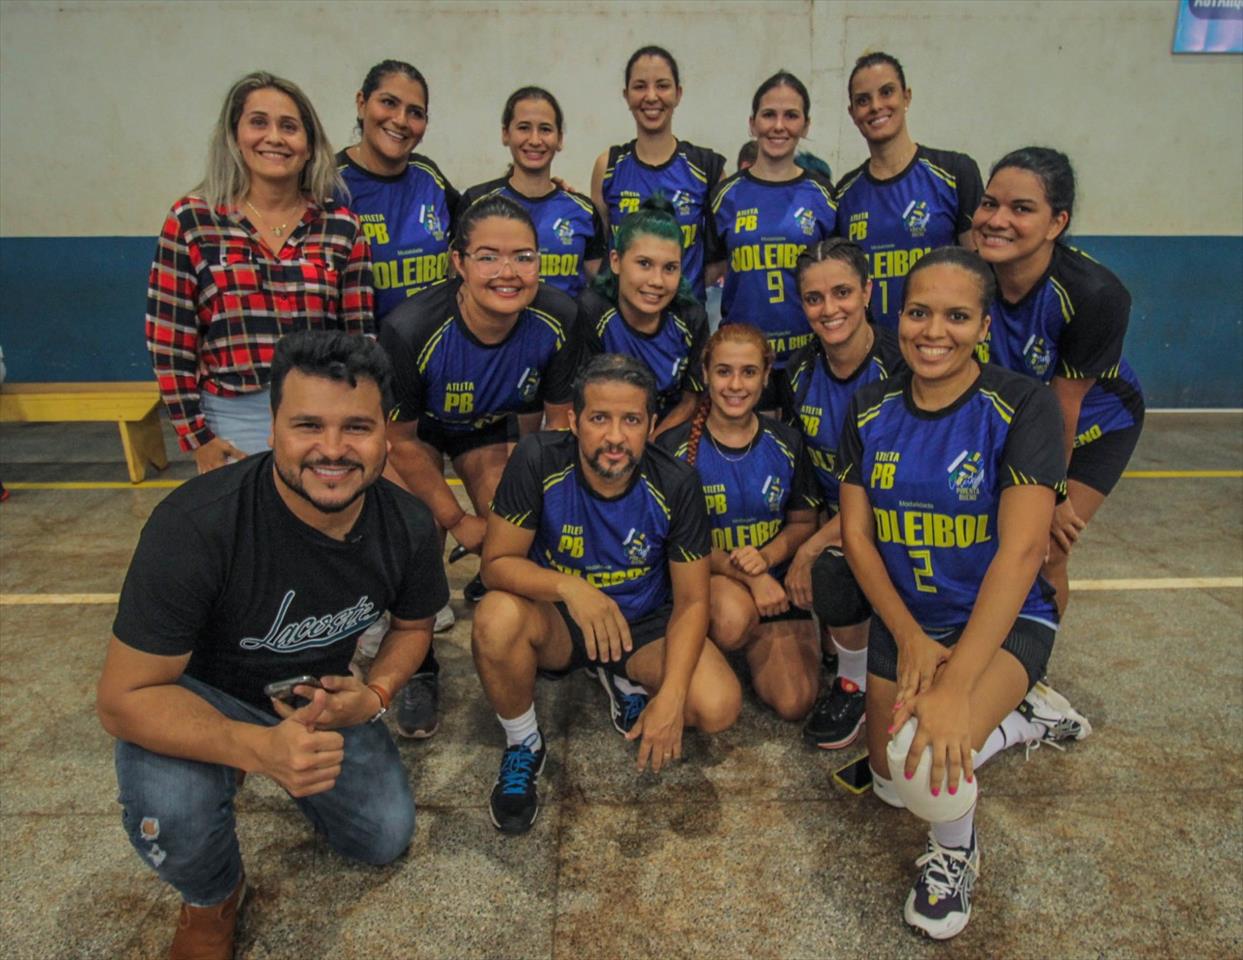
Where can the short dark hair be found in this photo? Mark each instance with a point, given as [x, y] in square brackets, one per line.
[486, 207]
[748, 153]
[332, 355]
[875, 60]
[653, 51]
[614, 368]
[964, 259]
[1052, 168]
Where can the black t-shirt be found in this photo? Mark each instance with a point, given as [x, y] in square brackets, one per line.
[225, 572]
[444, 373]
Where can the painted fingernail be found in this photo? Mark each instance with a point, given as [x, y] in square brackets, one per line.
[897, 705]
[936, 791]
[970, 779]
[953, 790]
[909, 775]
[890, 730]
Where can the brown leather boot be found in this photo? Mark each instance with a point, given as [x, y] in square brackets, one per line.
[206, 933]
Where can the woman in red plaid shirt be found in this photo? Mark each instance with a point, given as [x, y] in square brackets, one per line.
[257, 250]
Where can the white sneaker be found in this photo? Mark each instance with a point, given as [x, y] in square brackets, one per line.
[445, 619]
[1047, 707]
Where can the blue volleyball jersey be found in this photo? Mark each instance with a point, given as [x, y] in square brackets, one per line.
[761, 228]
[444, 373]
[749, 491]
[897, 221]
[621, 545]
[408, 220]
[820, 400]
[935, 479]
[672, 353]
[567, 226]
[685, 180]
[1071, 324]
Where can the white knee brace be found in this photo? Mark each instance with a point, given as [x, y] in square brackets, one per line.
[916, 793]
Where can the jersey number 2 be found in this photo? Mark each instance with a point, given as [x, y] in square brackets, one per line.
[922, 569]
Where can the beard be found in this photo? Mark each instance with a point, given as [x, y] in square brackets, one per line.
[293, 480]
[611, 473]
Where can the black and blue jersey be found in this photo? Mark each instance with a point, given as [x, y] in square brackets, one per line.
[897, 221]
[749, 491]
[673, 353]
[819, 400]
[567, 227]
[760, 228]
[684, 180]
[408, 220]
[621, 545]
[935, 479]
[444, 373]
[1071, 324]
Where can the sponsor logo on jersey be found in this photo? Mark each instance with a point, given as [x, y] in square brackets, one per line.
[564, 230]
[637, 547]
[772, 491]
[682, 202]
[312, 632]
[1037, 356]
[430, 221]
[916, 216]
[966, 475]
[679, 368]
[858, 226]
[528, 384]
[806, 220]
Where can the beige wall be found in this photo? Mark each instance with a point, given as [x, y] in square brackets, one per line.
[105, 108]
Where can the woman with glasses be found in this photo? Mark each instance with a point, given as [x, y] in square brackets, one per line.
[476, 361]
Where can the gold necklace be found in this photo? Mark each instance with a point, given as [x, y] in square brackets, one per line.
[276, 231]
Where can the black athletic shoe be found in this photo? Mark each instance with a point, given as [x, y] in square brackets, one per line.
[940, 902]
[474, 590]
[418, 706]
[836, 718]
[623, 707]
[515, 799]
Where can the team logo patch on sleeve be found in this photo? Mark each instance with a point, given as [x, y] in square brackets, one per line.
[528, 384]
[1037, 356]
[564, 230]
[430, 221]
[806, 220]
[637, 547]
[773, 492]
[916, 217]
[966, 475]
[682, 202]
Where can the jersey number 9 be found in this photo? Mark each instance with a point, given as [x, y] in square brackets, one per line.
[776, 286]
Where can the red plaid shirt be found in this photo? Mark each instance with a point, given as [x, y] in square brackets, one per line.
[218, 301]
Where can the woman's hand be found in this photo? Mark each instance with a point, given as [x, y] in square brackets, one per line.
[919, 656]
[1066, 526]
[798, 578]
[749, 560]
[944, 725]
[770, 599]
[216, 452]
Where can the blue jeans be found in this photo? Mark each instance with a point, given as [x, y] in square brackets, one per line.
[179, 816]
[245, 421]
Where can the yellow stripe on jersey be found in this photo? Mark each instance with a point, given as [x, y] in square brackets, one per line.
[551, 322]
[553, 479]
[695, 171]
[828, 197]
[430, 171]
[1068, 308]
[1004, 409]
[683, 450]
[686, 331]
[517, 519]
[871, 413]
[1019, 478]
[688, 556]
[585, 204]
[841, 191]
[656, 495]
[789, 454]
[425, 355]
[1083, 253]
[716, 205]
[604, 320]
[940, 172]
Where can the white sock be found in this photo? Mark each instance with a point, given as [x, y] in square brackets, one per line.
[523, 729]
[884, 790]
[852, 665]
[956, 833]
[628, 686]
[1015, 729]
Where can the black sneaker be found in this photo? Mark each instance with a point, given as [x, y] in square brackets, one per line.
[515, 800]
[418, 706]
[837, 716]
[624, 707]
[940, 902]
[474, 590]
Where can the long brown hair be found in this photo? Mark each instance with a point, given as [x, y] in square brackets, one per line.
[726, 333]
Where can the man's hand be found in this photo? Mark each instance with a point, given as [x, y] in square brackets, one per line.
[469, 532]
[606, 635]
[749, 560]
[301, 759]
[347, 703]
[216, 452]
[660, 725]
[770, 598]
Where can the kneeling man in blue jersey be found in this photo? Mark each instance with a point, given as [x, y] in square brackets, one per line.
[247, 593]
[596, 556]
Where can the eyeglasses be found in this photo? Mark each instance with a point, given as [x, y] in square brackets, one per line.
[525, 263]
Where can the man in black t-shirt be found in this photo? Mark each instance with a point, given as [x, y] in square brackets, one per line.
[596, 556]
[265, 571]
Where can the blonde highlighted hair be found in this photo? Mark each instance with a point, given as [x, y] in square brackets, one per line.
[227, 180]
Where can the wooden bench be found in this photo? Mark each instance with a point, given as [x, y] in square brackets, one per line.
[134, 406]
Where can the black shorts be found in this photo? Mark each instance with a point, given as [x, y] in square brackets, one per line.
[453, 444]
[1099, 463]
[645, 630]
[793, 613]
[1030, 641]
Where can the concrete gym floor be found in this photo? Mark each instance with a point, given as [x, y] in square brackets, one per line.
[1127, 844]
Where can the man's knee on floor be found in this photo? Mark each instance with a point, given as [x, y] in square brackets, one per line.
[383, 835]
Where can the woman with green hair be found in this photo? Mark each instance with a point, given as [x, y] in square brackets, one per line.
[641, 306]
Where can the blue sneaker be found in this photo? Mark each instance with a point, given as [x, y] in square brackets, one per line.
[939, 904]
[624, 707]
[515, 799]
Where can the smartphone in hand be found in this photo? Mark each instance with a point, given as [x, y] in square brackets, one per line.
[283, 689]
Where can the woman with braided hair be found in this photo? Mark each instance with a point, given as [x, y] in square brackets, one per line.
[762, 500]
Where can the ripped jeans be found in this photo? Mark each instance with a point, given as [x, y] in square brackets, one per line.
[178, 814]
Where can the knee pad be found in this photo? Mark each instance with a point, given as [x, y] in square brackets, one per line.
[916, 793]
[835, 593]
